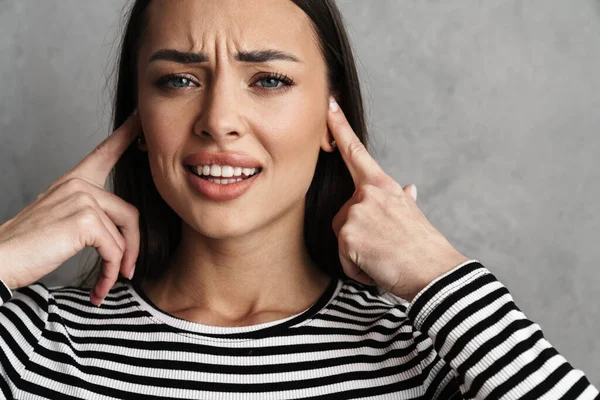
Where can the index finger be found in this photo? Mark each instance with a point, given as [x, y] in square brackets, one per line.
[97, 165]
[361, 165]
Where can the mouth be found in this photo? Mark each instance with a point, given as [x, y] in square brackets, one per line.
[221, 183]
[223, 174]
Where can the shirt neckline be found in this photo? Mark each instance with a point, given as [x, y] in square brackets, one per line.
[256, 331]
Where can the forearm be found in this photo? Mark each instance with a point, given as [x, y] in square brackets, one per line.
[495, 351]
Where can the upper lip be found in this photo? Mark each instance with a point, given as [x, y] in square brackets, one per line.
[228, 158]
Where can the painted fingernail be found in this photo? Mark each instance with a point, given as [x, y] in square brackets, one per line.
[413, 192]
[131, 273]
[100, 302]
[333, 105]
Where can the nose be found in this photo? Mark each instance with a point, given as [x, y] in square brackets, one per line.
[219, 116]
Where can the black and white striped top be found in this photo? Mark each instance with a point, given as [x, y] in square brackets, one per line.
[461, 337]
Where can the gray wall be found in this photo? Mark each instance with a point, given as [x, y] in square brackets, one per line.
[490, 107]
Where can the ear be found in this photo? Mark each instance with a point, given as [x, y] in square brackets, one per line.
[326, 141]
[327, 137]
[141, 144]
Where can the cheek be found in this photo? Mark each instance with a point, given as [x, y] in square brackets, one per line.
[163, 139]
[161, 133]
[163, 118]
[294, 151]
[160, 119]
[163, 124]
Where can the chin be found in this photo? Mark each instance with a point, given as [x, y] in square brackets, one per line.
[220, 227]
[218, 233]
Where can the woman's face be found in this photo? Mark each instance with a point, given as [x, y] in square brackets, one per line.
[228, 105]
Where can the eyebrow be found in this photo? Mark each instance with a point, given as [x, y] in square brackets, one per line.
[255, 56]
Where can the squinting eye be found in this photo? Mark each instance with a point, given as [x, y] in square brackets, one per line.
[269, 82]
[272, 80]
[179, 81]
[287, 82]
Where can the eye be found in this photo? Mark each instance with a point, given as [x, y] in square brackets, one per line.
[270, 82]
[175, 82]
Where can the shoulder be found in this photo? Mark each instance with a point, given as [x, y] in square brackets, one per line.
[40, 299]
[371, 294]
[30, 301]
[76, 299]
[367, 317]
[369, 303]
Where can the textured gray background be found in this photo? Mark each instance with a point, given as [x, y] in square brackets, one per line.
[490, 107]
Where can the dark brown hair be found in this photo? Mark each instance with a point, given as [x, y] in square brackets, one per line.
[331, 187]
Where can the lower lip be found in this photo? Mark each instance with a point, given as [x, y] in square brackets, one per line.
[216, 191]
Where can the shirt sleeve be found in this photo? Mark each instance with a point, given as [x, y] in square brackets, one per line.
[486, 347]
[5, 293]
[23, 317]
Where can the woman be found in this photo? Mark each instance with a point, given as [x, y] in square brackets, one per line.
[256, 204]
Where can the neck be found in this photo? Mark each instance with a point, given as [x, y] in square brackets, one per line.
[263, 276]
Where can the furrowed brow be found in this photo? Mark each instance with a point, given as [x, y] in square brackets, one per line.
[255, 56]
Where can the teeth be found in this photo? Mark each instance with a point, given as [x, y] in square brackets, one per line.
[225, 171]
[215, 170]
[224, 181]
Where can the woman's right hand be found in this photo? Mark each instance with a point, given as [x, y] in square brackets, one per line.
[74, 212]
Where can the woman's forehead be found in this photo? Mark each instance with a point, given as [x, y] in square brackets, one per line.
[195, 25]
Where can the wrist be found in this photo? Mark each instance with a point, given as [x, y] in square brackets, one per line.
[4, 270]
[428, 274]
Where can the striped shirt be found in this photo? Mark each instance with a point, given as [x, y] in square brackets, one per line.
[462, 336]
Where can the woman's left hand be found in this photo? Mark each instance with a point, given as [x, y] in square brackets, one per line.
[384, 239]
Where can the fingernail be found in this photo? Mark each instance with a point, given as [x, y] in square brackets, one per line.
[135, 111]
[413, 192]
[131, 273]
[100, 302]
[333, 105]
